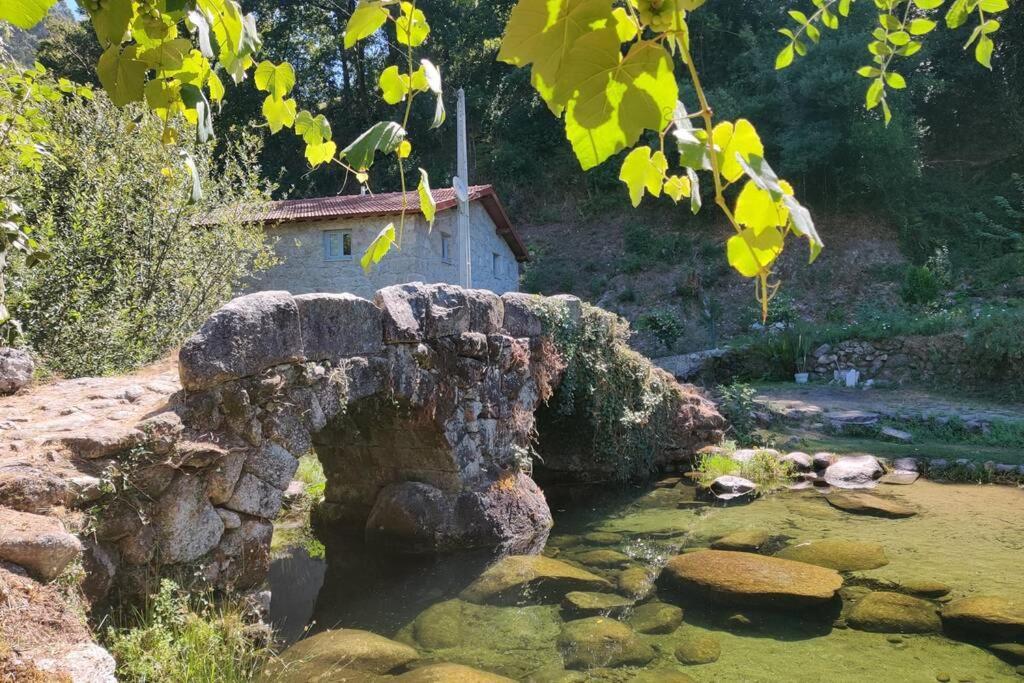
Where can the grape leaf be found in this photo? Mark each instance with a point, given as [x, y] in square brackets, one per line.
[378, 248]
[320, 152]
[735, 142]
[642, 170]
[677, 187]
[314, 130]
[279, 113]
[384, 137]
[111, 22]
[121, 74]
[617, 97]
[411, 28]
[543, 32]
[25, 13]
[277, 80]
[427, 204]
[756, 208]
[368, 16]
[751, 253]
[168, 55]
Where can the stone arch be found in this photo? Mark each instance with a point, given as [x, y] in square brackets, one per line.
[419, 405]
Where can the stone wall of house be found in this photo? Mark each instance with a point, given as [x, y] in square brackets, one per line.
[303, 269]
[899, 360]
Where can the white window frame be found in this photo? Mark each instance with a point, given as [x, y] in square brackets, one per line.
[446, 248]
[329, 255]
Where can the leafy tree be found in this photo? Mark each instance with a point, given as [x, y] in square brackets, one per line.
[610, 72]
[134, 264]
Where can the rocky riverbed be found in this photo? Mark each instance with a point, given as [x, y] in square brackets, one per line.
[655, 585]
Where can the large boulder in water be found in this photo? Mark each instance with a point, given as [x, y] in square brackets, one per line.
[986, 616]
[854, 472]
[601, 642]
[885, 612]
[837, 553]
[750, 580]
[533, 577]
[861, 503]
[328, 655]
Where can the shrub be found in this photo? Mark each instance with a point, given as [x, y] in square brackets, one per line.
[764, 469]
[736, 404]
[665, 325]
[996, 345]
[135, 264]
[920, 285]
[612, 404]
[177, 637]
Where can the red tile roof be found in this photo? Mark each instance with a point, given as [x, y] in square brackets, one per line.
[389, 204]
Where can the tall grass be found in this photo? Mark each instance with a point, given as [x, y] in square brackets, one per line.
[764, 469]
[177, 637]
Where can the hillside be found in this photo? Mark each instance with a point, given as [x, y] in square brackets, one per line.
[666, 272]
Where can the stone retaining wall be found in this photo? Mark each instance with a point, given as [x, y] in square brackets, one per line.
[898, 360]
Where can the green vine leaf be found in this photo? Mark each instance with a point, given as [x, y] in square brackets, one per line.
[122, 75]
[427, 204]
[279, 113]
[367, 18]
[25, 13]
[382, 137]
[751, 253]
[277, 80]
[111, 22]
[378, 248]
[542, 33]
[616, 98]
[643, 170]
[411, 27]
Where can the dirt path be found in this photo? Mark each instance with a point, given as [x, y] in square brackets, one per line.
[893, 403]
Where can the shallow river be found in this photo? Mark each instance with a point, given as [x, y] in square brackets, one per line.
[970, 538]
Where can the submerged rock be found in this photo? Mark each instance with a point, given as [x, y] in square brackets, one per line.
[602, 538]
[926, 588]
[854, 472]
[698, 648]
[655, 618]
[534, 577]
[899, 478]
[456, 623]
[604, 558]
[1009, 652]
[837, 553]
[661, 676]
[748, 579]
[884, 612]
[861, 503]
[636, 582]
[585, 604]
[601, 642]
[450, 673]
[328, 654]
[748, 540]
[988, 616]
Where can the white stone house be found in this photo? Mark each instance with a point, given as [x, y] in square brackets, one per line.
[320, 241]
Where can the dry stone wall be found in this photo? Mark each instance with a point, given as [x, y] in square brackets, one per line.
[899, 360]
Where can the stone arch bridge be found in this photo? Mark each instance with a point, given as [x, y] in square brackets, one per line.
[420, 405]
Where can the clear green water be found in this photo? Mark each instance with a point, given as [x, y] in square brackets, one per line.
[968, 537]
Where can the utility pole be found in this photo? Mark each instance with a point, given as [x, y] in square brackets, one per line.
[461, 184]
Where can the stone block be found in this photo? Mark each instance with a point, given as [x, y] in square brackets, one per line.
[520, 318]
[339, 326]
[246, 336]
